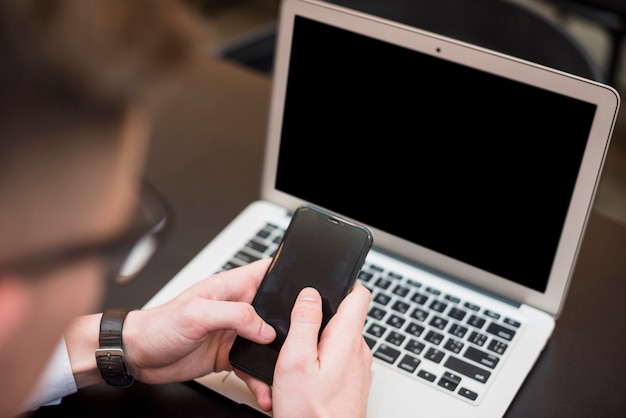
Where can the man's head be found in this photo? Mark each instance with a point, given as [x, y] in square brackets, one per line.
[73, 133]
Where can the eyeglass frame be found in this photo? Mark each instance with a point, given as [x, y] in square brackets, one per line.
[150, 222]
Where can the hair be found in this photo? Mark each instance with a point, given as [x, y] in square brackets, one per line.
[86, 59]
[71, 67]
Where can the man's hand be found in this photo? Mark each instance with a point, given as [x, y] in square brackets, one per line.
[331, 378]
[191, 335]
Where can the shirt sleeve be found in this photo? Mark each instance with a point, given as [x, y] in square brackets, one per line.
[55, 382]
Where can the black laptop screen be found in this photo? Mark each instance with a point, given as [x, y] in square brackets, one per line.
[470, 165]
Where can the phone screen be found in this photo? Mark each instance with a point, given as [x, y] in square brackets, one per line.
[319, 250]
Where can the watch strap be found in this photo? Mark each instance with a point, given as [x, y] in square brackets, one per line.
[110, 355]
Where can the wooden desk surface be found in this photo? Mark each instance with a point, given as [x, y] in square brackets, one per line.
[206, 159]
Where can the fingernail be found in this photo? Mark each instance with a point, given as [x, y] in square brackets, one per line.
[310, 294]
[267, 332]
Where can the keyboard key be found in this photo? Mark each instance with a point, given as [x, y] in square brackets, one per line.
[434, 337]
[414, 347]
[401, 307]
[419, 314]
[491, 314]
[481, 357]
[396, 321]
[382, 299]
[413, 283]
[471, 306]
[401, 291]
[419, 298]
[365, 276]
[452, 299]
[383, 283]
[386, 353]
[454, 345]
[414, 329]
[245, 257]
[457, 330]
[498, 347]
[377, 313]
[449, 381]
[477, 338]
[438, 306]
[457, 314]
[394, 276]
[466, 369]
[376, 268]
[438, 322]
[229, 265]
[395, 338]
[502, 332]
[476, 321]
[426, 375]
[409, 363]
[376, 330]
[257, 246]
[512, 322]
[466, 393]
[433, 291]
[434, 355]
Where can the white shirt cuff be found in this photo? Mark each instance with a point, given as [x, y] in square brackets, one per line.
[56, 381]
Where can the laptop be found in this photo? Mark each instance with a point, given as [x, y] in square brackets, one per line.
[476, 173]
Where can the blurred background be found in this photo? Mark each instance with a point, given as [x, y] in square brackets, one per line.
[238, 22]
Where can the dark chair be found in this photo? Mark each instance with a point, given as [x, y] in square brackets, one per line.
[610, 15]
[501, 25]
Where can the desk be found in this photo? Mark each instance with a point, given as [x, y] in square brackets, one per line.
[206, 159]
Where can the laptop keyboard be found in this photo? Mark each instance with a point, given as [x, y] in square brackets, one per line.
[433, 336]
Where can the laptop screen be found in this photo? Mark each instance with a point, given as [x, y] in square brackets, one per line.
[471, 165]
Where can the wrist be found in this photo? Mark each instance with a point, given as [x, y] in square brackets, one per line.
[81, 338]
[131, 336]
[129, 333]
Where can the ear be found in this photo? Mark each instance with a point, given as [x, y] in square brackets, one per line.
[15, 306]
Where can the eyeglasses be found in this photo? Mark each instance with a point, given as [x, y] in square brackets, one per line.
[124, 255]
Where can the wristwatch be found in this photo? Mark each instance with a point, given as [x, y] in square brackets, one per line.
[110, 355]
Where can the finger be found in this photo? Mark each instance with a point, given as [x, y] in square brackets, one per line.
[306, 320]
[348, 320]
[238, 284]
[358, 301]
[238, 316]
[261, 391]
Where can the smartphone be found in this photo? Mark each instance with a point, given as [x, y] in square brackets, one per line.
[320, 250]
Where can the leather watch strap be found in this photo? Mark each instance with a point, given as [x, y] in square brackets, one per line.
[110, 355]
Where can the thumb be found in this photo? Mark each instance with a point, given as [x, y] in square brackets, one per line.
[306, 320]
